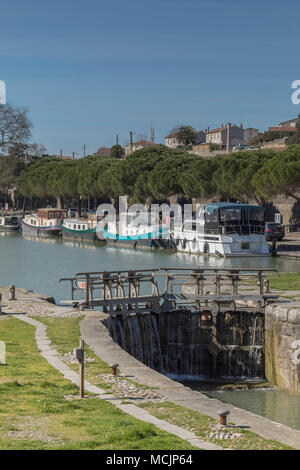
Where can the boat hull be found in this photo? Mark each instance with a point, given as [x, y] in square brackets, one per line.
[8, 228]
[79, 234]
[141, 244]
[41, 231]
[222, 246]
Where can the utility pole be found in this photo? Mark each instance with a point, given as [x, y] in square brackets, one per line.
[84, 149]
[152, 134]
[117, 139]
[60, 153]
[130, 141]
[73, 155]
[228, 138]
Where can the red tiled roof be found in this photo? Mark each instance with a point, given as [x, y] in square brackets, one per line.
[283, 129]
[219, 129]
[172, 135]
[143, 142]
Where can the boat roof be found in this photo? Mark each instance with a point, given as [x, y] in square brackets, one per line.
[230, 205]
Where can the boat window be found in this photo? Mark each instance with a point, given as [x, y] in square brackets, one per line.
[211, 216]
[230, 215]
[83, 227]
[79, 227]
[256, 215]
[74, 225]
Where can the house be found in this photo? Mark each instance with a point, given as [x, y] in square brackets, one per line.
[172, 142]
[130, 148]
[290, 123]
[250, 133]
[102, 152]
[221, 136]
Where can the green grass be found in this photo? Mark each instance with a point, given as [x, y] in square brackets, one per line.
[286, 281]
[64, 334]
[35, 415]
[201, 426]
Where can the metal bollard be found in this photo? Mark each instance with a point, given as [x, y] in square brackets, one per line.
[0, 304]
[114, 369]
[223, 413]
[12, 291]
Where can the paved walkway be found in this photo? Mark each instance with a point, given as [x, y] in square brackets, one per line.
[52, 356]
[96, 335]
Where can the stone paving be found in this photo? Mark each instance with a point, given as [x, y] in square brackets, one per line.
[52, 356]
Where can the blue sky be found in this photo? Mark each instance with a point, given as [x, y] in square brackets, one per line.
[88, 70]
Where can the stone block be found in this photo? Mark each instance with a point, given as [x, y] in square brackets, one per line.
[287, 329]
[281, 313]
[294, 315]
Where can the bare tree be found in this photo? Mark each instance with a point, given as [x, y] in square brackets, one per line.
[15, 127]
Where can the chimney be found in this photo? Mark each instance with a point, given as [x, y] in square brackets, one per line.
[241, 126]
[222, 126]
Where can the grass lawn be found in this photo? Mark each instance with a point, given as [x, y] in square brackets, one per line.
[286, 281]
[64, 334]
[35, 415]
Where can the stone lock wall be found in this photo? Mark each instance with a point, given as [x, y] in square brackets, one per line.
[282, 345]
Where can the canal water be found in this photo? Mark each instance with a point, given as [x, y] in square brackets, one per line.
[274, 404]
[38, 264]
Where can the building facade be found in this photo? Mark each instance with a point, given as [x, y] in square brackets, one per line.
[230, 134]
[130, 148]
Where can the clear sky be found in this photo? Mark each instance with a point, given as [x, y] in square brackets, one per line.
[88, 70]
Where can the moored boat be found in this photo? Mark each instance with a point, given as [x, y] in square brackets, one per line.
[79, 228]
[224, 229]
[136, 231]
[9, 224]
[45, 222]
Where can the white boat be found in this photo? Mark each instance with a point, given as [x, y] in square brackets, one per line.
[136, 231]
[9, 223]
[223, 229]
[45, 222]
[80, 228]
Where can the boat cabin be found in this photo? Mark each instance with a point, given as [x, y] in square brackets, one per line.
[234, 218]
[50, 213]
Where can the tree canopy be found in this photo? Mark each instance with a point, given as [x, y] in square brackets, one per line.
[158, 172]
